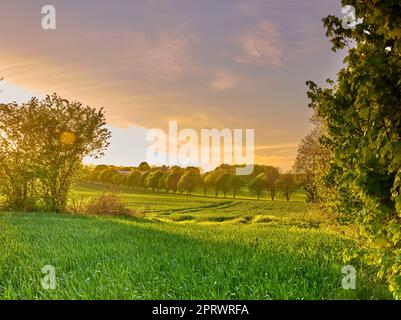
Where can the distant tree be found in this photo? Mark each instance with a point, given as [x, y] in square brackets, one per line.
[312, 164]
[152, 180]
[101, 167]
[85, 172]
[143, 166]
[204, 185]
[258, 185]
[133, 178]
[97, 172]
[190, 180]
[106, 175]
[288, 184]
[118, 179]
[142, 180]
[180, 187]
[223, 183]
[272, 174]
[93, 175]
[257, 170]
[236, 183]
[101, 175]
[211, 181]
[162, 182]
[173, 177]
[273, 190]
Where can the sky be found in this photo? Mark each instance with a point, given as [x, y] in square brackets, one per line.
[205, 64]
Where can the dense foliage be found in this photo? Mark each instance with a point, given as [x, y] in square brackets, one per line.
[362, 114]
[42, 145]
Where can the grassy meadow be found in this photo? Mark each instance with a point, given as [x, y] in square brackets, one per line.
[180, 247]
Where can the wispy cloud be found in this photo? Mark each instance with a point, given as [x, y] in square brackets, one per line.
[224, 80]
[261, 45]
[167, 56]
[154, 56]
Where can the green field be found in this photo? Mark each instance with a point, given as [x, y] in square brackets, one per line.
[182, 247]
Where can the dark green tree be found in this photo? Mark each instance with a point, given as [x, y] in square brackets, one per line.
[173, 177]
[223, 183]
[236, 183]
[152, 180]
[258, 185]
[190, 180]
[362, 114]
[133, 178]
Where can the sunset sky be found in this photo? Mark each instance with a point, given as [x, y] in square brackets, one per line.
[207, 64]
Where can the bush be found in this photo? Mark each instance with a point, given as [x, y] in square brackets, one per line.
[107, 204]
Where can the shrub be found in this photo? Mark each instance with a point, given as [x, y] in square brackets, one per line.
[107, 204]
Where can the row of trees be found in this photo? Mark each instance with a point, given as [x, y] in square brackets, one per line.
[222, 180]
[42, 145]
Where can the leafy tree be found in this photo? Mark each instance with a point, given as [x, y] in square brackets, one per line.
[190, 180]
[236, 183]
[18, 164]
[93, 175]
[288, 184]
[51, 138]
[204, 185]
[152, 180]
[271, 175]
[162, 182]
[119, 179]
[180, 187]
[142, 180]
[223, 183]
[173, 178]
[211, 181]
[362, 114]
[258, 184]
[257, 170]
[133, 178]
[106, 175]
[312, 163]
[96, 172]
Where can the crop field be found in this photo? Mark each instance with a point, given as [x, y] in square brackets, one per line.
[169, 207]
[181, 247]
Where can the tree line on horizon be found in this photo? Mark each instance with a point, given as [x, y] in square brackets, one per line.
[176, 179]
